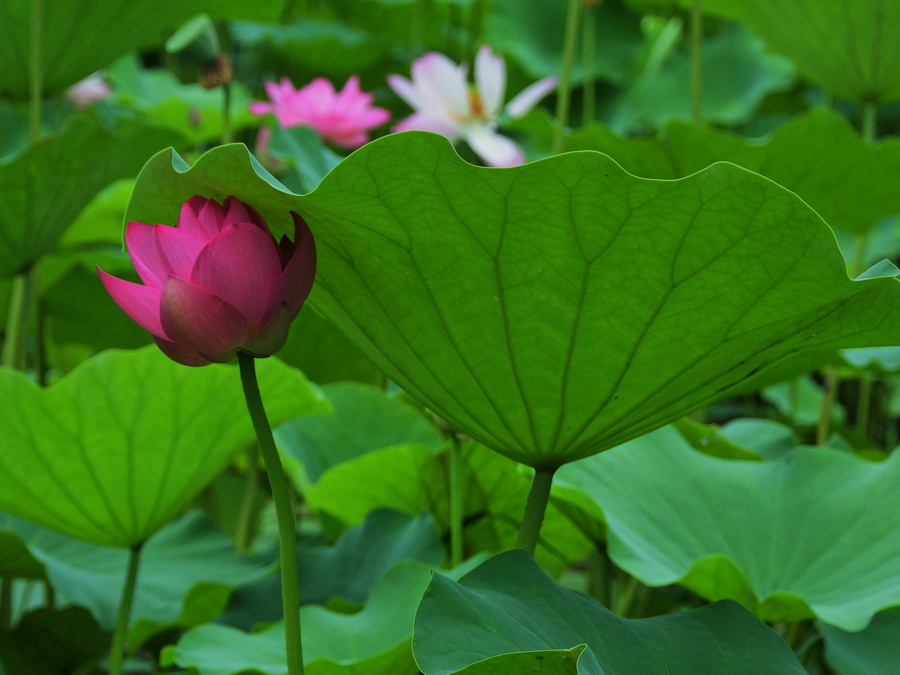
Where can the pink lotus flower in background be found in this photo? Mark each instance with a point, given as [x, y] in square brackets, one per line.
[446, 104]
[89, 90]
[216, 283]
[343, 117]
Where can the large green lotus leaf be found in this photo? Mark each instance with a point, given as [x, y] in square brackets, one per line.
[846, 46]
[348, 570]
[809, 535]
[737, 75]
[364, 418]
[557, 309]
[868, 652]
[80, 37]
[508, 605]
[318, 348]
[48, 184]
[116, 448]
[374, 641]
[186, 575]
[818, 155]
[494, 495]
[532, 32]
[16, 561]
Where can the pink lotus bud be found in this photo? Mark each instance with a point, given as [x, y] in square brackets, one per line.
[216, 283]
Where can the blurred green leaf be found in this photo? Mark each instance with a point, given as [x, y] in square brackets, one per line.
[374, 641]
[50, 182]
[846, 46]
[808, 535]
[508, 605]
[72, 49]
[875, 649]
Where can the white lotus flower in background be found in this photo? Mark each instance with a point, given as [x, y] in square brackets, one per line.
[446, 104]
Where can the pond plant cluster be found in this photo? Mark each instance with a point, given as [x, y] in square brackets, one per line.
[401, 337]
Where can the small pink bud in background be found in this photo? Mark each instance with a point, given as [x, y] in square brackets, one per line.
[90, 90]
[216, 283]
[342, 117]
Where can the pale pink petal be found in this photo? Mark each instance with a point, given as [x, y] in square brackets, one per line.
[405, 90]
[139, 302]
[523, 102]
[241, 265]
[441, 85]
[426, 121]
[180, 354]
[200, 321]
[494, 149]
[490, 78]
[260, 108]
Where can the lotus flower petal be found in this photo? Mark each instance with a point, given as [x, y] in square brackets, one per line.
[241, 266]
[490, 76]
[199, 320]
[273, 335]
[300, 272]
[494, 149]
[180, 353]
[139, 302]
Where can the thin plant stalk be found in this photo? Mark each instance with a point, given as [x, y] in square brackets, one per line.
[5, 602]
[696, 63]
[35, 70]
[287, 533]
[823, 428]
[588, 88]
[535, 507]
[123, 619]
[456, 502]
[863, 399]
[14, 345]
[570, 41]
[869, 134]
[226, 114]
[599, 574]
[247, 514]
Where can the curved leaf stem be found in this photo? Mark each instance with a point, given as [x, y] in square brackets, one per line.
[530, 529]
[287, 533]
[870, 134]
[565, 80]
[117, 650]
[823, 428]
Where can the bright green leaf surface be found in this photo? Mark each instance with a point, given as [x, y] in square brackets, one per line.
[374, 641]
[810, 534]
[508, 605]
[872, 651]
[818, 155]
[113, 450]
[364, 418]
[557, 309]
[71, 47]
[846, 46]
[48, 184]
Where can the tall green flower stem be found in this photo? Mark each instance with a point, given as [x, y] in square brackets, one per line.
[696, 63]
[456, 502]
[287, 533]
[535, 507]
[823, 428]
[117, 651]
[5, 602]
[570, 41]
